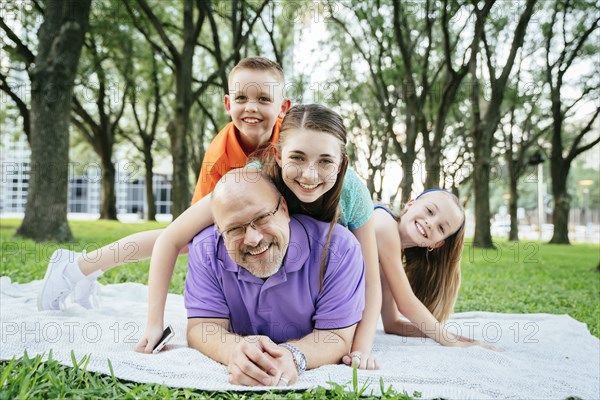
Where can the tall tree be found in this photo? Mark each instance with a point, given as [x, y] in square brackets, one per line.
[432, 81]
[181, 60]
[486, 119]
[373, 45]
[60, 41]
[522, 126]
[571, 29]
[417, 61]
[146, 111]
[99, 123]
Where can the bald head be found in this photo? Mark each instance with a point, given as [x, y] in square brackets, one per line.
[236, 185]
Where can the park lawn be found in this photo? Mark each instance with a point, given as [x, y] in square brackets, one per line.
[527, 277]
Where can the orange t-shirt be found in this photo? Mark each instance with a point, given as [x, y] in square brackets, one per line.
[223, 155]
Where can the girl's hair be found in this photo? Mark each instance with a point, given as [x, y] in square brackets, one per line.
[318, 118]
[435, 275]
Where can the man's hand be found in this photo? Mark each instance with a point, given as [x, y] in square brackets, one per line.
[150, 339]
[288, 373]
[254, 362]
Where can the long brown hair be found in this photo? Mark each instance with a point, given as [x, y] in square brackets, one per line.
[317, 118]
[434, 275]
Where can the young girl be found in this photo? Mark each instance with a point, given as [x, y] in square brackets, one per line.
[430, 236]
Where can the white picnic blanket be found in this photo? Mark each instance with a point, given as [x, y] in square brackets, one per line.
[545, 356]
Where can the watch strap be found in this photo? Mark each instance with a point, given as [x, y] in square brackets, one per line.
[296, 353]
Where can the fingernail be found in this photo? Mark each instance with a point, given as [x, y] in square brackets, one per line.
[273, 372]
[266, 381]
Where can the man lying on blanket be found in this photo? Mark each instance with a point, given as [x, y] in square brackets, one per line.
[255, 279]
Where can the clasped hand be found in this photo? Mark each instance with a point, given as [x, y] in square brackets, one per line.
[257, 361]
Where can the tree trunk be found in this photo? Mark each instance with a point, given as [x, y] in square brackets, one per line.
[481, 179]
[562, 202]
[150, 201]
[180, 123]
[108, 198]
[179, 151]
[513, 235]
[407, 174]
[484, 128]
[432, 167]
[408, 159]
[60, 41]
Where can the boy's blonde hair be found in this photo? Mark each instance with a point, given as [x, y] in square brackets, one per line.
[434, 275]
[258, 64]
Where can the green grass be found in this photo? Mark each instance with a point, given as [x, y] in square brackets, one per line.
[527, 277]
[533, 277]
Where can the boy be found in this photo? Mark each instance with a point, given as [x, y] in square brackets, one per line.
[256, 102]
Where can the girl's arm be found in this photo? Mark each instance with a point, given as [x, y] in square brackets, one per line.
[365, 331]
[389, 247]
[164, 255]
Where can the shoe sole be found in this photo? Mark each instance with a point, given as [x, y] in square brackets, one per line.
[51, 265]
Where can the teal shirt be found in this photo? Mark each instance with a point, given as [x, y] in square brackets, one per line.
[356, 204]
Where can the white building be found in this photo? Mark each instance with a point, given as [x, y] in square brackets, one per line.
[84, 189]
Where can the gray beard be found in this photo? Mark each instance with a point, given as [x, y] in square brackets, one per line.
[266, 268]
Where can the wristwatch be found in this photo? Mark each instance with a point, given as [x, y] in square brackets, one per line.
[298, 357]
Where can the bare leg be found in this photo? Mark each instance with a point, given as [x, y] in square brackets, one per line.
[135, 247]
[79, 276]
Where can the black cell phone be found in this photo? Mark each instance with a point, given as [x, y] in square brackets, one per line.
[168, 333]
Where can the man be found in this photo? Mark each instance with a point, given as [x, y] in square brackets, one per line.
[254, 279]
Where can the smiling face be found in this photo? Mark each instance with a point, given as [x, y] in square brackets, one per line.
[310, 162]
[240, 198]
[429, 220]
[255, 100]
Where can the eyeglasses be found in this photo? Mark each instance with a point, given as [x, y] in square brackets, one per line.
[238, 232]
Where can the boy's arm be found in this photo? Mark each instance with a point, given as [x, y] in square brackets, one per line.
[164, 255]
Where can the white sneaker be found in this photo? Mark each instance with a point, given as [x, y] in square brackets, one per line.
[87, 291]
[56, 286]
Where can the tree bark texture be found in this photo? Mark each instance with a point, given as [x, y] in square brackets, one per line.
[108, 197]
[60, 41]
[513, 235]
[150, 200]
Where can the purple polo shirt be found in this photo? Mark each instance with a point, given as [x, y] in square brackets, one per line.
[288, 305]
